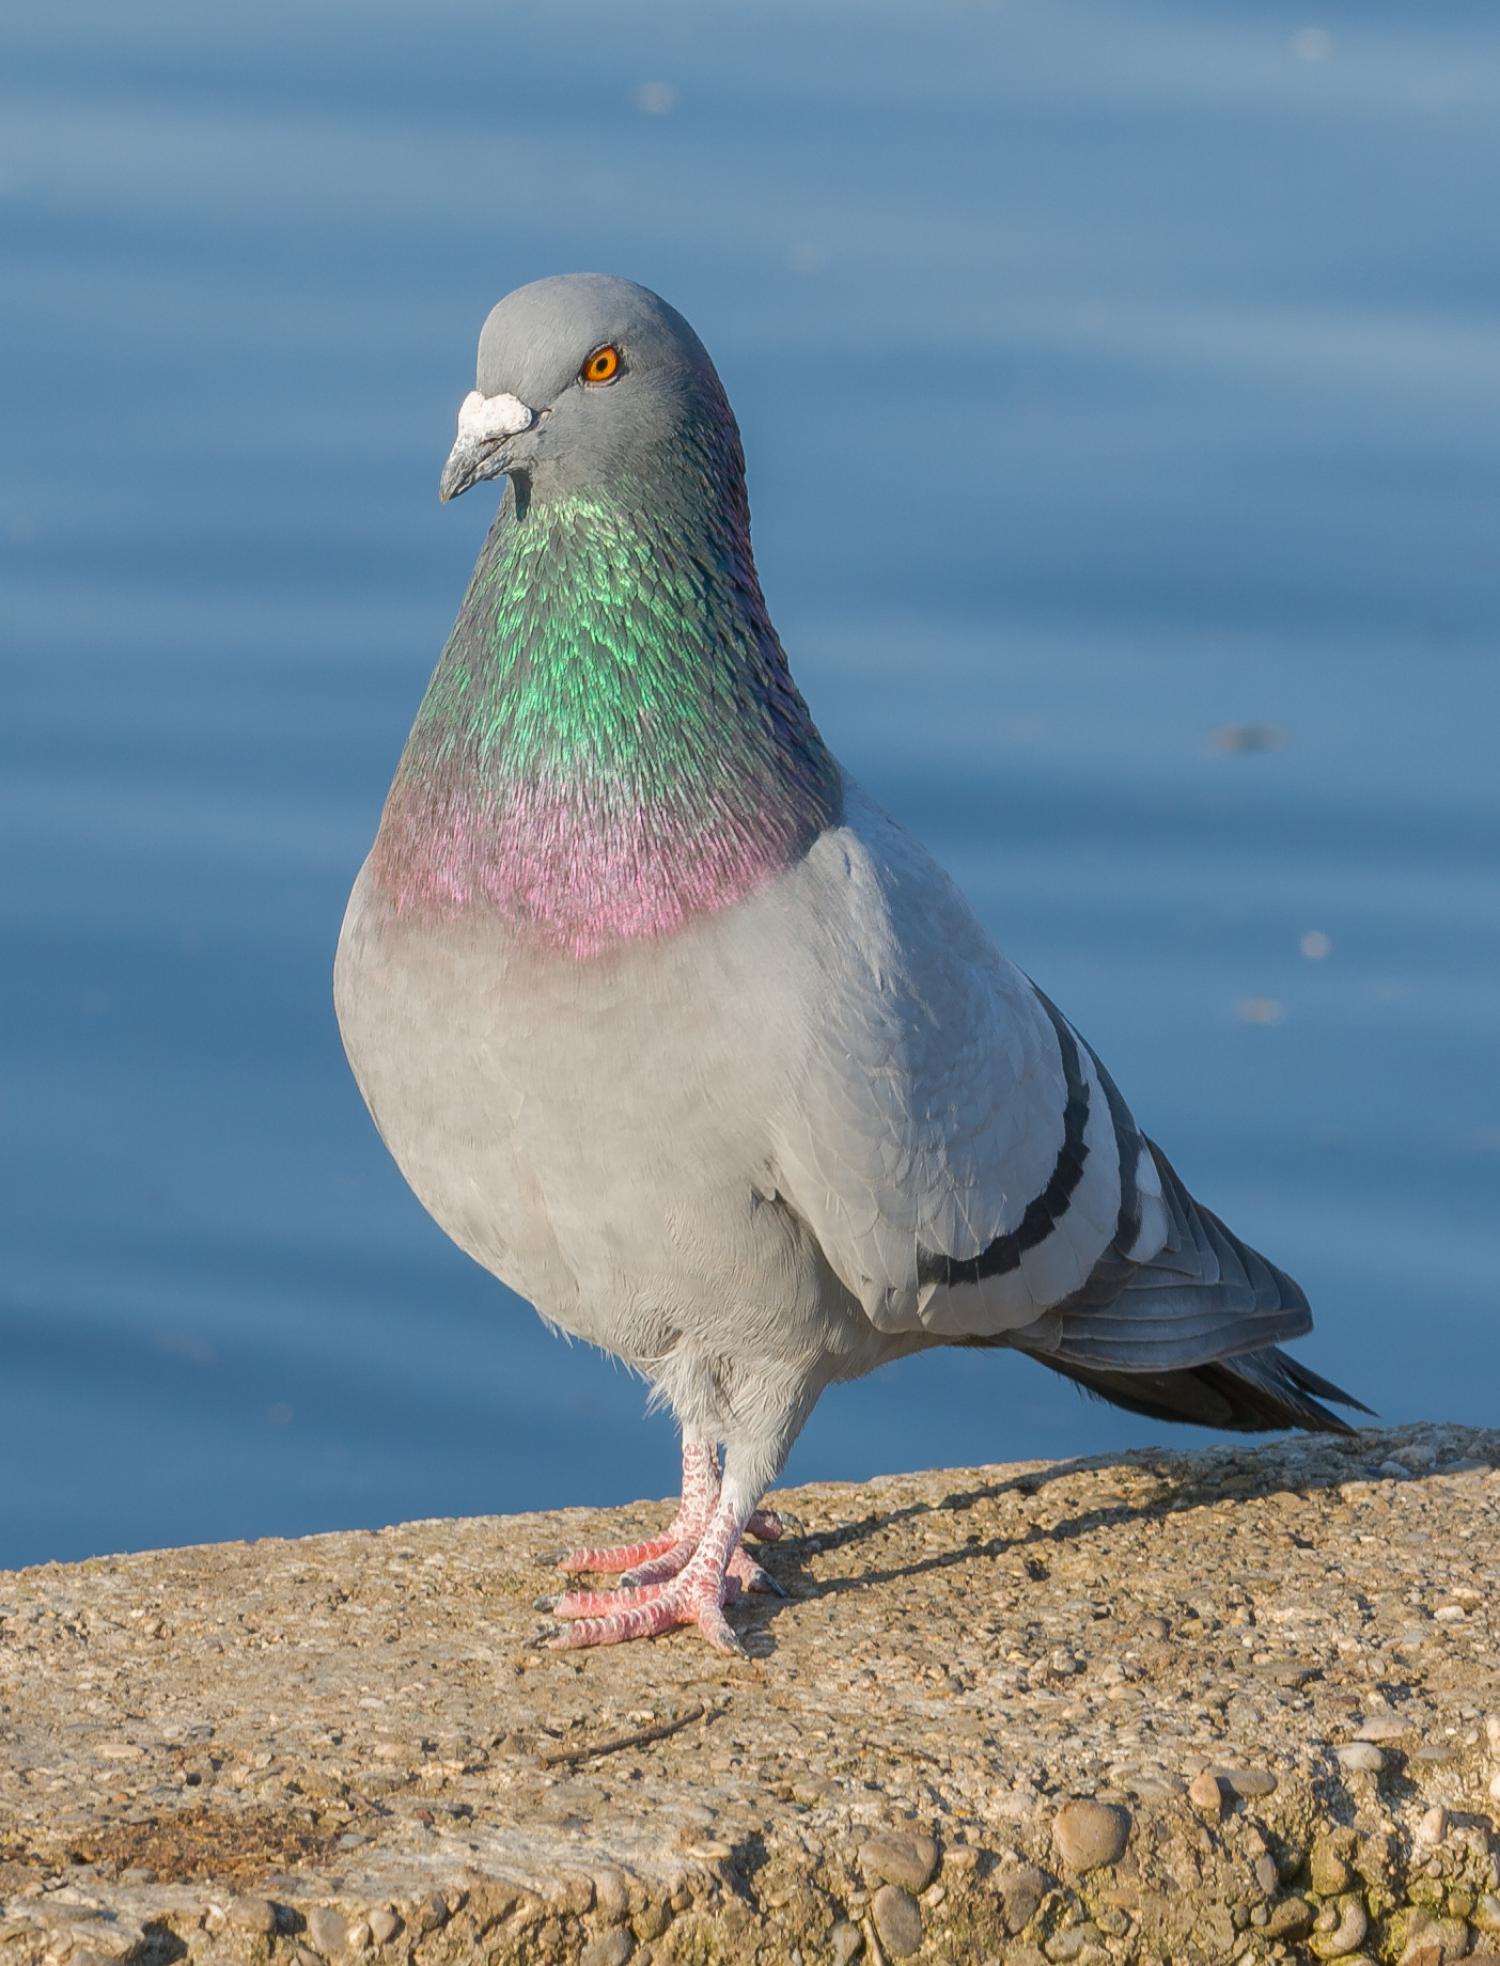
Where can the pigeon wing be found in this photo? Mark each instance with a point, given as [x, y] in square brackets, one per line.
[966, 1162]
[948, 1138]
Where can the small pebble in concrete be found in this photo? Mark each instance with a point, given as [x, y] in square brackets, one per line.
[608, 1949]
[327, 1929]
[573, 1892]
[1434, 1825]
[1247, 1783]
[1433, 1941]
[252, 1914]
[898, 1920]
[1382, 1727]
[1090, 1834]
[844, 1942]
[1361, 1758]
[1341, 1928]
[432, 1913]
[611, 1899]
[910, 1861]
[1329, 1872]
[1291, 1919]
[1418, 1457]
[1492, 1731]
[1022, 1888]
[1083, 1942]
[1205, 1794]
[652, 1922]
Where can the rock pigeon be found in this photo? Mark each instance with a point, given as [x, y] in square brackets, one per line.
[674, 1030]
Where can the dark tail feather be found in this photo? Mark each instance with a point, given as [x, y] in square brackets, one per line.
[1257, 1392]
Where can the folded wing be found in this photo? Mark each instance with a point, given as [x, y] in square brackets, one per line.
[969, 1167]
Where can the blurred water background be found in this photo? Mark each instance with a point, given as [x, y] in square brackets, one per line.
[1121, 388]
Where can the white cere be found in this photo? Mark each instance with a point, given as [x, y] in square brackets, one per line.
[483, 418]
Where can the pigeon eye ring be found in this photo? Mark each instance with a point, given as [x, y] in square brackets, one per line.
[602, 366]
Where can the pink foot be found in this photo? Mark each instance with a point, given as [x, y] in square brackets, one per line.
[705, 1570]
[647, 1610]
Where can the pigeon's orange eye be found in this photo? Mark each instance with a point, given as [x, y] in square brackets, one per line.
[602, 366]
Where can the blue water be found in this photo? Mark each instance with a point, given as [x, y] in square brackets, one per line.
[1112, 379]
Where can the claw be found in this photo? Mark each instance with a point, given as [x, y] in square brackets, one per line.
[548, 1601]
[754, 1578]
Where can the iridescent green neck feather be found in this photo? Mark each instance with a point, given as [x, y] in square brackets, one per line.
[611, 742]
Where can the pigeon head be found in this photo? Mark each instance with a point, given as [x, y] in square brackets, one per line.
[582, 380]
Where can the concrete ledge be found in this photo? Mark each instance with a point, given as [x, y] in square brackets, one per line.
[1268, 1675]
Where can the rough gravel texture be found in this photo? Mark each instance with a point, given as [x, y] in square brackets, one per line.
[346, 1748]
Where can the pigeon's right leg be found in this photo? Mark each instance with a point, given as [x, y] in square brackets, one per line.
[662, 1557]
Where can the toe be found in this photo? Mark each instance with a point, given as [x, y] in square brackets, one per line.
[752, 1577]
[716, 1628]
[623, 1556]
[602, 1604]
[659, 1613]
[765, 1526]
[660, 1569]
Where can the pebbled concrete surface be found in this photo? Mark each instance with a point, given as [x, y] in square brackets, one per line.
[1236, 1704]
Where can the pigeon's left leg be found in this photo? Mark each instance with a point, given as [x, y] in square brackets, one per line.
[661, 1557]
[696, 1595]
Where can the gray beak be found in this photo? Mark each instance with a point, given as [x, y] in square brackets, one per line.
[486, 424]
[468, 463]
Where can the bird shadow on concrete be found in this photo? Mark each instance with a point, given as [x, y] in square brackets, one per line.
[1183, 1481]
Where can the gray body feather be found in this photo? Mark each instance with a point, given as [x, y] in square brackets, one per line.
[774, 1149]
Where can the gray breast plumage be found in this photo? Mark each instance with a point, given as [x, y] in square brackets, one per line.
[601, 1134]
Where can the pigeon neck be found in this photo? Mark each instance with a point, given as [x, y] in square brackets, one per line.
[611, 742]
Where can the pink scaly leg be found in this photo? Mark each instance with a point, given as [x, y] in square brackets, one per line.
[662, 1557]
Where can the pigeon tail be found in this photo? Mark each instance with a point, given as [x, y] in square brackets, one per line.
[1258, 1392]
[1187, 1334]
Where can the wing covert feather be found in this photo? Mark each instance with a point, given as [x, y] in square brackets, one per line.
[935, 1101]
